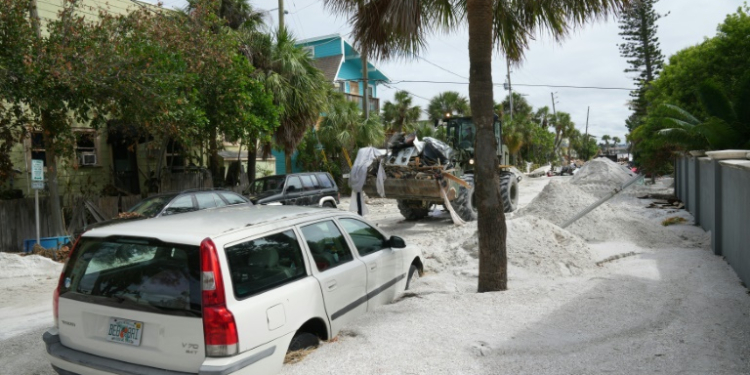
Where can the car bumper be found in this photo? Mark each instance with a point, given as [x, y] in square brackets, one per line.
[266, 359]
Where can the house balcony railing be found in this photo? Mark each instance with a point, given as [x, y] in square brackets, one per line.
[374, 102]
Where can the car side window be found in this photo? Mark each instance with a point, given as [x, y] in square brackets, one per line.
[327, 245]
[233, 198]
[205, 200]
[307, 182]
[293, 185]
[366, 238]
[180, 205]
[325, 182]
[220, 202]
[265, 263]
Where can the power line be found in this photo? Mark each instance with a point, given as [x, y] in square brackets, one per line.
[408, 92]
[395, 82]
[441, 68]
[303, 8]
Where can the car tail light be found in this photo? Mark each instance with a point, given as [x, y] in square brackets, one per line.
[219, 328]
[56, 293]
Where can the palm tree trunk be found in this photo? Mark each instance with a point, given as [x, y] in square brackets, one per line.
[288, 162]
[492, 231]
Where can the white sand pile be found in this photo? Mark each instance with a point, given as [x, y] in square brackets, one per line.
[14, 265]
[541, 247]
[560, 201]
[600, 176]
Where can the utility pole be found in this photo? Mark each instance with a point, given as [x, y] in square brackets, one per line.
[281, 14]
[365, 89]
[586, 137]
[554, 111]
[510, 89]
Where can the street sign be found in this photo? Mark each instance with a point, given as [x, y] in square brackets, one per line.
[38, 185]
[37, 170]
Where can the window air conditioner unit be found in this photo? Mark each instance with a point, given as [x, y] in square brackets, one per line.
[87, 158]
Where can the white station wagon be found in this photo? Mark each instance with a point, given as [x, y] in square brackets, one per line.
[220, 291]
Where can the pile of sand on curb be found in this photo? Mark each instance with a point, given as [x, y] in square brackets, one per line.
[600, 176]
[541, 247]
[15, 265]
[560, 201]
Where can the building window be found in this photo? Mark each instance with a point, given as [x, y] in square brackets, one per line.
[354, 88]
[175, 155]
[86, 154]
[38, 151]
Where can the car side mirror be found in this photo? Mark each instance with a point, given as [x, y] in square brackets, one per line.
[396, 242]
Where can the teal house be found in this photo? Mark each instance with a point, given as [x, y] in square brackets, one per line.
[342, 66]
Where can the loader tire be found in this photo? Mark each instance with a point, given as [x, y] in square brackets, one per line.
[413, 210]
[464, 202]
[509, 192]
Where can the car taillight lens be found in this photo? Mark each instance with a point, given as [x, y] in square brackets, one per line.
[56, 293]
[219, 328]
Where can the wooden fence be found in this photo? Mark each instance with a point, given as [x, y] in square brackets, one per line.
[18, 223]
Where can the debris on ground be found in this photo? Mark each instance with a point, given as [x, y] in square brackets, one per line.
[673, 220]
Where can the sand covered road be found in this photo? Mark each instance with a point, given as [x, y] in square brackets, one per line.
[660, 302]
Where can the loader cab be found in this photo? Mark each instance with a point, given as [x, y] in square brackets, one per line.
[462, 137]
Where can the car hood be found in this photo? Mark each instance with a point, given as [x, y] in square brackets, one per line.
[266, 197]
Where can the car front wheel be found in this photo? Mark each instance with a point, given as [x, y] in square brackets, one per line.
[413, 276]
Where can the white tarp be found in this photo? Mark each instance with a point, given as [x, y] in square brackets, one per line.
[358, 175]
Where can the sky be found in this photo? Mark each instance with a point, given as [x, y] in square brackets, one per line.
[588, 57]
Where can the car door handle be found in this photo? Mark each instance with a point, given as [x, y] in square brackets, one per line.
[373, 266]
[331, 285]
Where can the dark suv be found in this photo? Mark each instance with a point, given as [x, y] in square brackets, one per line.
[298, 189]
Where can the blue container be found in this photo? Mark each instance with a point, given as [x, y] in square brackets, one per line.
[46, 242]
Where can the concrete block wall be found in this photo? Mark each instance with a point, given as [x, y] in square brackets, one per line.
[717, 193]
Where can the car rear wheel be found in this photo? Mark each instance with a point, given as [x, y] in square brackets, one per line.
[329, 204]
[303, 340]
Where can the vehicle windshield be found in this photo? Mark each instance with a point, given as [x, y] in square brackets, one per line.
[268, 184]
[136, 273]
[151, 206]
[465, 132]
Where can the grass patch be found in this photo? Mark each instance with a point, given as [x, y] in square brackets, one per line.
[673, 220]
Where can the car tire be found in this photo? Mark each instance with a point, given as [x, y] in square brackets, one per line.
[413, 276]
[413, 210]
[329, 204]
[464, 202]
[303, 340]
[509, 192]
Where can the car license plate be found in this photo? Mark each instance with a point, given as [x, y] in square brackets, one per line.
[125, 331]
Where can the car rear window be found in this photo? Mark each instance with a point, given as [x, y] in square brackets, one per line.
[152, 206]
[325, 181]
[235, 199]
[136, 273]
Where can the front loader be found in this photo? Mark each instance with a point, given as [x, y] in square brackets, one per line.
[419, 174]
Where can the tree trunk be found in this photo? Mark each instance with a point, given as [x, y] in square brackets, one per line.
[288, 162]
[492, 231]
[213, 157]
[252, 154]
[56, 227]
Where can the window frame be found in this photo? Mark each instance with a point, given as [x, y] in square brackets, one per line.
[78, 150]
[347, 244]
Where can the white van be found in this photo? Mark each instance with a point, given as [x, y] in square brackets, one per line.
[220, 291]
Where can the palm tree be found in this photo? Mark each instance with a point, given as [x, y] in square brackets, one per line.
[616, 141]
[726, 126]
[391, 28]
[299, 88]
[343, 129]
[448, 103]
[400, 114]
[606, 139]
[237, 13]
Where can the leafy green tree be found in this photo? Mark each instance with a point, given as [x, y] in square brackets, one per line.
[395, 27]
[606, 138]
[449, 102]
[521, 107]
[298, 86]
[400, 114]
[616, 140]
[641, 48]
